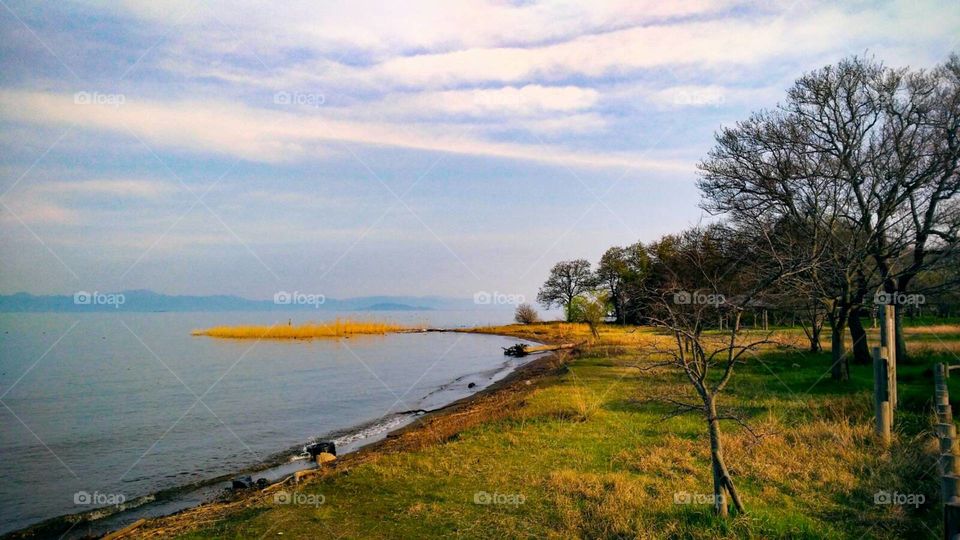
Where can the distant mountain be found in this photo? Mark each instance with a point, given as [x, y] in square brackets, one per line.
[142, 300]
[393, 306]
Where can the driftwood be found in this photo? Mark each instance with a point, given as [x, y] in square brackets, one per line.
[522, 349]
[546, 348]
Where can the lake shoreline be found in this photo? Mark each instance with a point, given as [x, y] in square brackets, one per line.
[478, 407]
[413, 424]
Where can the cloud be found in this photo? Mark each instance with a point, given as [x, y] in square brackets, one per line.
[145, 189]
[527, 100]
[36, 211]
[381, 29]
[276, 136]
[716, 43]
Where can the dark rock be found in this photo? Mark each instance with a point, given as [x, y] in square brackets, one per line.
[323, 446]
[262, 483]
[471, 385]
[242, 482]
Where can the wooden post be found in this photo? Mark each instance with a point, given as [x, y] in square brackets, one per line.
[949, 487]
[950, 464]
[951, 520]
[881, 401]
[890, 324]
[944, 413]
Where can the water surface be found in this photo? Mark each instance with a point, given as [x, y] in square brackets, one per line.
[129, 404]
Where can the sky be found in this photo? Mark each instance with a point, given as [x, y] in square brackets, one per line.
[363, 148]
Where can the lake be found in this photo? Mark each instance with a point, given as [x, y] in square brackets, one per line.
[101, 407]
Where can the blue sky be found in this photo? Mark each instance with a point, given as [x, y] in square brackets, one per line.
[355, 148]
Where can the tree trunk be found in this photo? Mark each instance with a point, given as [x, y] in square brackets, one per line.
[839, 370]
[815, 346]
[812, 333]
[861, 349]
[722, 482]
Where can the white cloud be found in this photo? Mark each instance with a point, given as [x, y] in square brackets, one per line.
[716, 43]
[526, 100]
[274, 136]
[37, 211]
[147, 189]
[381, 29]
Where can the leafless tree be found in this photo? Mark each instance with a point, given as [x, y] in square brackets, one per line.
[526, 314]
[863, 160]
[716, 272]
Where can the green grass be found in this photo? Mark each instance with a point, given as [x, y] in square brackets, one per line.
[592, 456]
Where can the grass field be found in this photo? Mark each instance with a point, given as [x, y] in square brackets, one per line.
[585, 452]
[330, 329]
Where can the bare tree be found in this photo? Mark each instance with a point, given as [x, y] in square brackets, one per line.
[854, 147]
[526, 314]
[922, 150]
[567, 281]
[704, 268]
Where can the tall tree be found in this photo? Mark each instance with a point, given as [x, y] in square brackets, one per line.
[567, 281]
[851, 152]
[614, 275]
[923, 145]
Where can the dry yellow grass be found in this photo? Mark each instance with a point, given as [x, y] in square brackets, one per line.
[933, 329]
[310, 330]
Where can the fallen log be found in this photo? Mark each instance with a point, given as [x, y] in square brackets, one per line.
[547, 348]
[522, 349]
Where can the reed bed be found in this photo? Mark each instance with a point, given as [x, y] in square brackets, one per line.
[329, 329]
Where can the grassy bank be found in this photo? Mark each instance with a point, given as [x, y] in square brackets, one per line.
[583, 450]
[330, 329]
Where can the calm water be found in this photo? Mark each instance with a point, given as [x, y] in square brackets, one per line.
[130, 404]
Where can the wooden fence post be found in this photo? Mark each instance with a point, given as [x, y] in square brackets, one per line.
[881, 399]
[890, 324]
[949, 463]
[951, 520]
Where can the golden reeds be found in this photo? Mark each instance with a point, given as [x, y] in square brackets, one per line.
[328, 329]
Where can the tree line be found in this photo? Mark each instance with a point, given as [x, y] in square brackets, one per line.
[841, 199]
[845, 193]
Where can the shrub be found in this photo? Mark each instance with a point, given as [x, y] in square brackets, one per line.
[525, 314]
